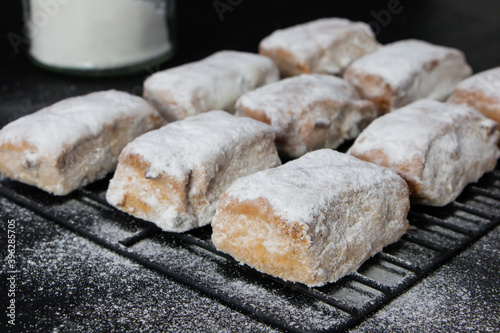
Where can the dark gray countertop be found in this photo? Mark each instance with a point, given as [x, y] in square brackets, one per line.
[460, 296]
[69, 283]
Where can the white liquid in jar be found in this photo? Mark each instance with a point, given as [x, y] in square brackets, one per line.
[97, 34]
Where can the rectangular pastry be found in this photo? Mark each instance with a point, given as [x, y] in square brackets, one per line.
[73, 142]
[314, 219]
[213, 83]
[173, 176]
[480, 92]
[405, 71]
[308, 112]
[325, 46]
[438, 148]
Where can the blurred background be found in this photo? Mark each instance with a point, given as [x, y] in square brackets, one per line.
[206, 26]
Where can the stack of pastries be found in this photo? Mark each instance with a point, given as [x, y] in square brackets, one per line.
[202, 146]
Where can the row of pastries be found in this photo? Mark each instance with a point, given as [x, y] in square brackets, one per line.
[202, 146]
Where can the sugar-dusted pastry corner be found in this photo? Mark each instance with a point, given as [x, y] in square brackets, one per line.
[309, 112]
[325, 46]
[480, 92]
[438, 148]
[406, 71]
[213, 83]
[73, 142]
[314, 219]
[174, 176]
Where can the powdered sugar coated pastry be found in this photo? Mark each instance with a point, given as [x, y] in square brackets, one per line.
[406, 71]
[314, 219]
[326, 45]
[174, 176]
[213, 83]
[75, 141]
[438, 148]
[308, 112]
[480, 92]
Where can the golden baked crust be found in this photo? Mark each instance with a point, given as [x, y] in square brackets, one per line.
[379, 92]
[174, 176]
[438, 148]
[258, 218]
[213, 83]
[308, 112]
[314, 219]
[487, 105]
[480, 92]
[74, 142]
[406, 71]
[325, 46]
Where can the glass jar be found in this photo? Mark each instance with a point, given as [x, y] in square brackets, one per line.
[100, 37]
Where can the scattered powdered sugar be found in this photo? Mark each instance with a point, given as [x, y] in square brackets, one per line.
[67, 283]
[61, 125]
[243, 285]
[101, 221]
[460, 296]
[71, 284]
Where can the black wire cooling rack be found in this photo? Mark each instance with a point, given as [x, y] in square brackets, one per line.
[436, 234]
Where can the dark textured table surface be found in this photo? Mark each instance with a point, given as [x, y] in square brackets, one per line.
[68, 283]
